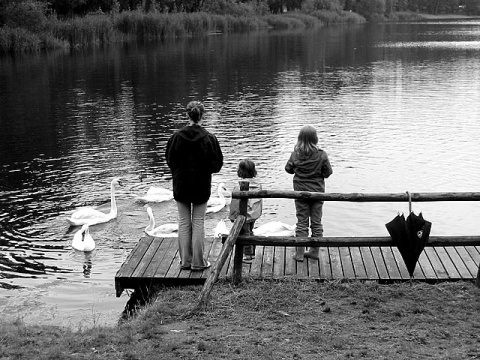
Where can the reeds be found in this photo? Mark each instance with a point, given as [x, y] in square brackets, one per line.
[83, 32]
[100, 28]
[18, 40]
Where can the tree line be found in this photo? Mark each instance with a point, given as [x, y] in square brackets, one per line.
[367, 8]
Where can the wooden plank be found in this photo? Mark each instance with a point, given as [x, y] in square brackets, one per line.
[471, 265]
[436, 263]
[147, 258]
[402, 268]
[325, 270]
[380, 263]
[458, 262]
[279, 262]
[302, 267]
[347, 265]
[424, 269]
[158, 257]
[313, 268]
[358, 264]
[267, 266]
[474, 252]
[447, 262]
[170, 267]
[369, 263]
[256, 267]
[290, 266]
[134, 258]
[391, 263]
[336, 263]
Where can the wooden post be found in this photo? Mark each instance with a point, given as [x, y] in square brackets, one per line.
[238, 256]
[217, 267]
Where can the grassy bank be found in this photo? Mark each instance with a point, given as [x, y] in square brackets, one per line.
[277, 320]
[100, 28]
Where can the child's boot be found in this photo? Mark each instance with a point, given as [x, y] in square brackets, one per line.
[312, 253]
[299, 253]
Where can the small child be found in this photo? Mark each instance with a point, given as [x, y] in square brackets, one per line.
[310, 166]
[246, 171]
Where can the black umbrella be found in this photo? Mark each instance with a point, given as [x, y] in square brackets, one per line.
[410, 237]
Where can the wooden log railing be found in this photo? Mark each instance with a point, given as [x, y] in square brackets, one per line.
[243, 240]
[237, 233]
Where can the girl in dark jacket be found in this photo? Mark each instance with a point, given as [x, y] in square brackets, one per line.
[193, 155]
[310, 166]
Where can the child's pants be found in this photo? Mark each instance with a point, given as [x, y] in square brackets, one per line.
[309, 213]
[249, 250]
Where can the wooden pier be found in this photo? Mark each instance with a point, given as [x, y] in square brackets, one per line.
[155, 261]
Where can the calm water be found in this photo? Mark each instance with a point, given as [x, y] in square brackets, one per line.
[397, 108]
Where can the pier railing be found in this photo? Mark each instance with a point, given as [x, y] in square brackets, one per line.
[238, 238]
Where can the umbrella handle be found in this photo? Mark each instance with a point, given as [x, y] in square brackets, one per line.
[409, 202]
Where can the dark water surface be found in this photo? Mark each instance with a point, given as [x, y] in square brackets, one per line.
[397, 108]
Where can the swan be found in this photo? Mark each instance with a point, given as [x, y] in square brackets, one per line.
[215, 204]
[82, 240]
[156, 194]
[92, 216]
[275, 228]
[220, 229]
[165, 230]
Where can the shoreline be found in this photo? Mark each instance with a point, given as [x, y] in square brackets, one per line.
[448, 16]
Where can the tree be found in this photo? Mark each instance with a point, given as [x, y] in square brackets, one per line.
[371, 9]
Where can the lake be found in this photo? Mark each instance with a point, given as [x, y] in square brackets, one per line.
[396, 106]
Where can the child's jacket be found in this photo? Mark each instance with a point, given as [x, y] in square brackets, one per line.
[310, 171]
[254, 206]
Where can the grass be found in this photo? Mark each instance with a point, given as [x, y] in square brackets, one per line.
[284, 319]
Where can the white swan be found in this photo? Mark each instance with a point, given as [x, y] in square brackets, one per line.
[216, 204]
[92, 216]
[275, 228]
[165, 230]
[82, 240]
[156, 194]
[220, 229]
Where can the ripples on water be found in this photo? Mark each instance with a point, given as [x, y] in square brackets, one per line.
[396, 107]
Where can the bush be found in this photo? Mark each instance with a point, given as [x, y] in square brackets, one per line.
[231, 7]
[29, 15]
[329, 5]
[334, 17]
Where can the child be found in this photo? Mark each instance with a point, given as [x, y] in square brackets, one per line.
[246, 171]
[310, 166]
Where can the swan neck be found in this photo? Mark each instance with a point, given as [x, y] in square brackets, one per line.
[151, 223]
[113, 208]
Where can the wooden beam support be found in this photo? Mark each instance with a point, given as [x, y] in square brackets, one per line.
[217, 267]
[238, 256]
